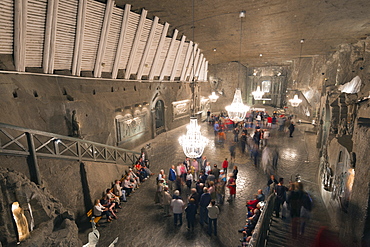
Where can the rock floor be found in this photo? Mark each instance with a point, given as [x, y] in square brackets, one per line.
[141, 223]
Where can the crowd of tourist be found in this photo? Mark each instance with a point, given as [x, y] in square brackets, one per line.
[195, 188]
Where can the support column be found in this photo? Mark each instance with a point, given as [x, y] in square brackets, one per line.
[32, 160]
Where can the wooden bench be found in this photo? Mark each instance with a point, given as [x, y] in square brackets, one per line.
[96, 219]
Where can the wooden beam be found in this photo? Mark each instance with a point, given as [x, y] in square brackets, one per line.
[159, 51]
[196, 59]
[197, 69]
[191, 62]
[135, 44]
[206, 71]
[168, 56]
[20, 29]
[203, 70]
[76, 62]
[121, 40]
[53, 35]
[148, 45]
[186, 61]
[177, 58]
[103, 38]
[48, 26]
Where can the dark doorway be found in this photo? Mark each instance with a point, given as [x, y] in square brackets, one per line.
[159, 117]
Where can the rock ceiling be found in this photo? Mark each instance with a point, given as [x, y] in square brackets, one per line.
[273, 29]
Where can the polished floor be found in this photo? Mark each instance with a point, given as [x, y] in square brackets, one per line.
[141, 222]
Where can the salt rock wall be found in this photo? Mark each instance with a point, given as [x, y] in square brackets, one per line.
[46, 103]
[53, 224]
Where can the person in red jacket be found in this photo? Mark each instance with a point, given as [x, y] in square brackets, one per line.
[225, 165]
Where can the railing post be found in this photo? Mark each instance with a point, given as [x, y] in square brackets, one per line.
[79, 151]
[32, 160]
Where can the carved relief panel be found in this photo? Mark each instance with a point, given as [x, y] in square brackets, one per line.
[181, 109]
[130, 125]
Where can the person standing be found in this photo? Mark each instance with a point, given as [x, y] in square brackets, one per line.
[231, 184]
[243, 142]
[191, 211]
[291, 128]
[172, 177]
[167, 198]
[280, 191]
[216, 128]
[294, 200]
[235, 172]
[216, 171]
[203, 163]
[195, 166]
[177, 206]
[189, 180]
[225, 165]
[205, 199]
[159, 192]
[213, 212]
[236, 134]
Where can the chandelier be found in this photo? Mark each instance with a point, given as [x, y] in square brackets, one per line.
[258, 93]
[295, 101]
[193, 143]
[237, 110]
[213, 97]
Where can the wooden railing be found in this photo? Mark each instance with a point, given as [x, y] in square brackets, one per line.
[27, 142]
[260, 233]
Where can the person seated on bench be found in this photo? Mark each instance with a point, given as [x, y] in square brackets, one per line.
[99, 210]
[108, 203]
[119, 191]
[135, 177]
[113, 198]
[127, 185]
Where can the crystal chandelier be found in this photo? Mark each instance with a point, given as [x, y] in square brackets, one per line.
[295, 101]
[193, 143]
[213, 97]
[237, 110]
[258, 93]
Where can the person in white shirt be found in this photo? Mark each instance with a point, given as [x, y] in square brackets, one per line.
[99, 210]
[177, 206]
[213, 212]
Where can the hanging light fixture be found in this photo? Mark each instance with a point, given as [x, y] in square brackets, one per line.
[213, 97]
[237, 110]
[193, 143]
[295, 101]
[258, 93]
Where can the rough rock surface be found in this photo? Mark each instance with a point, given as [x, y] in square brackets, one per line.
[53, 224]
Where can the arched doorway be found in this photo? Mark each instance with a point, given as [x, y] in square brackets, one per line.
[159, 117]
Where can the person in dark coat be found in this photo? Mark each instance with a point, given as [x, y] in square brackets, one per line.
[291, 129]
[191, 211]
